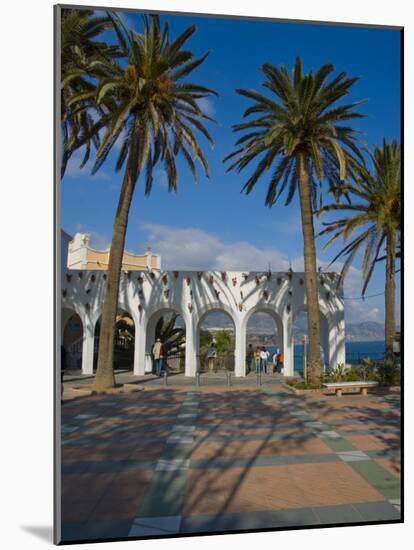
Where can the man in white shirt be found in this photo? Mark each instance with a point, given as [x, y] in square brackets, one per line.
[264, 356]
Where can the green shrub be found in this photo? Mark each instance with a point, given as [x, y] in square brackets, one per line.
[338, 373]
[353, 375]
[367, 369]
[387, 373]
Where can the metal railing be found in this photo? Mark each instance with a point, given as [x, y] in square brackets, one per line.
[219, 363]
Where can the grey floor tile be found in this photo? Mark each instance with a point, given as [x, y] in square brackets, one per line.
[76, 531]
[344, 513]
[377, 511]
[166, 525]
[249, 520]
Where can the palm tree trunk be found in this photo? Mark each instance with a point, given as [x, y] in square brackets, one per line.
[104, 378]
[389, 299]
[311, 278]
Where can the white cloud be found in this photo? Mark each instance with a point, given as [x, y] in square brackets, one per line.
[74, 170]
[207, 106]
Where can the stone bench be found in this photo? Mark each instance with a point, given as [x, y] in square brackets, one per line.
[339, 387]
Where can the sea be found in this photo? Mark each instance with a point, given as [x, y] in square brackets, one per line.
[355, 352]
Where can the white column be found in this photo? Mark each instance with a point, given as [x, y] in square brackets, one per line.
[240, 351]
[327, 342]
[149, 339]
[88, 346]
[337, 340]
[139, 350]
[279, 333]
[190, 347]
[288, 347]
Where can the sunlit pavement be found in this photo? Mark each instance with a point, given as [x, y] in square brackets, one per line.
[185, 459]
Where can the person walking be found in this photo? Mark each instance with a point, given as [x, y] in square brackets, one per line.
[257, 360]
[158, 354]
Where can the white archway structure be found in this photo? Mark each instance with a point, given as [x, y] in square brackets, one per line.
[148, 295]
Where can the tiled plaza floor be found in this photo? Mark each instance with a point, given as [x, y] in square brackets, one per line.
[187, 460]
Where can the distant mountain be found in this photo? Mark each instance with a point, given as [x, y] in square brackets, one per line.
[368, 331]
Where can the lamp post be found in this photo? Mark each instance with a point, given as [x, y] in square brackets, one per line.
[305, 366]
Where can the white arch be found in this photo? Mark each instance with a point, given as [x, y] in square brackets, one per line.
[228, 311]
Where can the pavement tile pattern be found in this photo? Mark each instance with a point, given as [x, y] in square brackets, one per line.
[165, 461]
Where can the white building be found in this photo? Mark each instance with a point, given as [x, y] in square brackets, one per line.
[148, 295]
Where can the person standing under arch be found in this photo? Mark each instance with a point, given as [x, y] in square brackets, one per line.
[264, 356]
[158, 352]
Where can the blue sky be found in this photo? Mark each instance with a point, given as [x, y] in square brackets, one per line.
[210, 224]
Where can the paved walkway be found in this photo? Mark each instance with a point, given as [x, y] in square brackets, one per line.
[187, 460]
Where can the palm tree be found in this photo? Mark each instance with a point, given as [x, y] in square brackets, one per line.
[373, 224]
[296, 139]
[172, 336]
[156, 116]
[80, 29]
